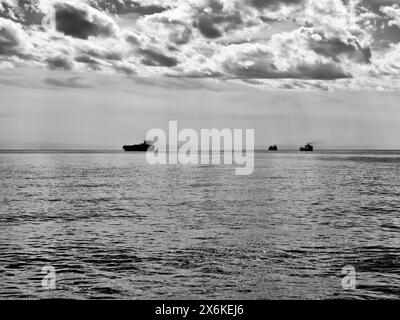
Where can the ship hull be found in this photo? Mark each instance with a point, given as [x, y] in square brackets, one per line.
[136, 147]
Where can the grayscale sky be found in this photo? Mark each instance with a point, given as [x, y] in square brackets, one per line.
[100, 73]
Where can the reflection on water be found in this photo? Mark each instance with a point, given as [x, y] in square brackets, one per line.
[115, 227]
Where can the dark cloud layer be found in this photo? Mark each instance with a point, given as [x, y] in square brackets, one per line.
[376, 4]
[124, 7]
[321, 71]
[207, 27]
[335, 48]
[157, 59]
[59, 62]
[265, 70]
[86, 59]
[213, 23]
[75, 22]
[144, 10]
[66, 83]
[273, 4]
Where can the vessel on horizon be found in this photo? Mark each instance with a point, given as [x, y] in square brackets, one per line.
[307, 147]
[273, 148]
[143, 147]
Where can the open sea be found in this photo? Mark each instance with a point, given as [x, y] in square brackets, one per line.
[115, 227]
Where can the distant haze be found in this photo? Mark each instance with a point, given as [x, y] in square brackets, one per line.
[103, 112]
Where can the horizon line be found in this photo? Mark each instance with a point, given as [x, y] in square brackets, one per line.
[244, 149]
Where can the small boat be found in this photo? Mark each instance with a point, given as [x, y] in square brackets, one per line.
[273, 148]
[307, 147]
[137, 147]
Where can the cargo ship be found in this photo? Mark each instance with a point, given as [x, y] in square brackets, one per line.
[307, 147]
[137, 147]
[273, 148]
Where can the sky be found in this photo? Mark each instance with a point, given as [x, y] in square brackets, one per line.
[96, 74]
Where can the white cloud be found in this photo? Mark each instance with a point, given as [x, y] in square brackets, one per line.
[12, 38]
[393, 12]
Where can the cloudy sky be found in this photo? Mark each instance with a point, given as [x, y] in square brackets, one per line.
[100, 73]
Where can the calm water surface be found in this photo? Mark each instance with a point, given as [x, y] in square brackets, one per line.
[115, 227]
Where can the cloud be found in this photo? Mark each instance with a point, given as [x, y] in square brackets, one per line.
[320, 71]
[207, 27]
[263, 62]
[383, 31]
[82, 21]
[393, 12]
[12, 38]
[127, 6]
[214, 19]
[253, 41]
[180, 83]
[59, 63]
[66, 83]
[26, 12]
[387, 64]
[86, 59]
[181, 34]
[154, 58]
[335, 48]
[273, 4]
[300, 54]
[376, 4]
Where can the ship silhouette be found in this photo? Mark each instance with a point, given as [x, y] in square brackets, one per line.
[307, 147]
[273, 148]
[143, 147]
